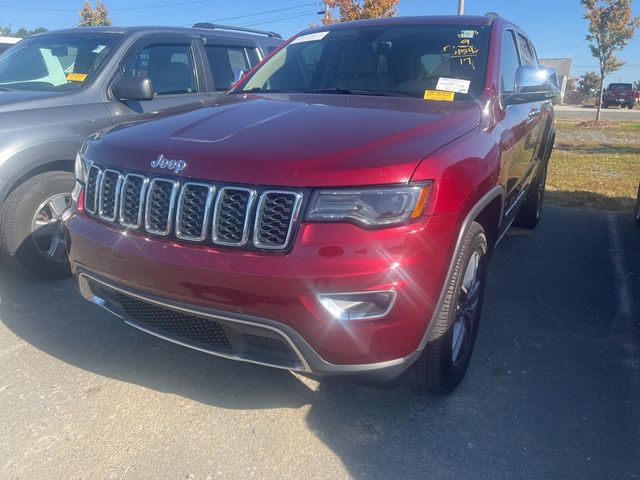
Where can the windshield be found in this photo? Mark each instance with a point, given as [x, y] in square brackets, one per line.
[616, 87]
[427, 61]
[54, 62]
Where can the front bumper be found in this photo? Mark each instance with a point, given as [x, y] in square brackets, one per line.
[273, 296]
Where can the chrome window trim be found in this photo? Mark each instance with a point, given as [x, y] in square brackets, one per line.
[172, 202]
[115, 200]
[207, 210]
[295, 213]
[96, 195]
[247, 217]
[143, 189]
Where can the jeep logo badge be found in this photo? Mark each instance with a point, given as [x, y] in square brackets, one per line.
[175, 165]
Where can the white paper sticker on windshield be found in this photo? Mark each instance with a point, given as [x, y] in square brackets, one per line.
[453, 85]
[467, 34]
[99, 48]
[310, 38]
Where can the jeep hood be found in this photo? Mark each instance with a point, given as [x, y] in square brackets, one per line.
[292, 140]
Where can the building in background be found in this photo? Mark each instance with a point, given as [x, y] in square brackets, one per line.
[563, 67]
[6, 42]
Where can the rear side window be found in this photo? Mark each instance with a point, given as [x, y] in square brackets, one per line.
[225, 62]
[509, 63]
[528, 55]
[169, 67]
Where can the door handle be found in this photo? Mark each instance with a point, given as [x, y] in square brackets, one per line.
[534, 112]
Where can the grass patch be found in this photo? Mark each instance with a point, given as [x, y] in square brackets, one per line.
[595, 167]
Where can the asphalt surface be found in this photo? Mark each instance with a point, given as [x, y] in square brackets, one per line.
[584, 113]
[552, 391]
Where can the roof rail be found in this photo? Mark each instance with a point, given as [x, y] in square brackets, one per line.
[213, 26]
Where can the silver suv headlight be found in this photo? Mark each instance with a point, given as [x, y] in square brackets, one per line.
[370, 207]
[81, 168]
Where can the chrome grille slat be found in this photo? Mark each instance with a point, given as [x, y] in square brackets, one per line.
[277, 214]
[91, 194]
[232, 216]
[194, 205]
[132, 197]
[109, 186]
[161, 196]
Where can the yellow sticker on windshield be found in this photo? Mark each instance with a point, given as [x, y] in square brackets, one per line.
[76, 77]
[438, 95]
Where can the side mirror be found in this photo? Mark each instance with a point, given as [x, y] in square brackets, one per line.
[134, 88]
[534, 84]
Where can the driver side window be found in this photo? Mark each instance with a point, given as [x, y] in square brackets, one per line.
[170, 67]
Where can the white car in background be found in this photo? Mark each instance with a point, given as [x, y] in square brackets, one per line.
[6, 42]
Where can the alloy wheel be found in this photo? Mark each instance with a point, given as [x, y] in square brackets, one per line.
[466, 313]
[46, 228]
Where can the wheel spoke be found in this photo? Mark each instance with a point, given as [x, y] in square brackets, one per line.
[57, 249]
[58, 205]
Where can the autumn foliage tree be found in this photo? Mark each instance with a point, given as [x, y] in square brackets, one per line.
[611, 27]
[94, 17]
[346, 10]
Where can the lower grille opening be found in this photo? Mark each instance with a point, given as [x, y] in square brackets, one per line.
[265, 343]
[175, 324]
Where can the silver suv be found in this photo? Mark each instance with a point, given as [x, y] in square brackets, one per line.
[57, 88]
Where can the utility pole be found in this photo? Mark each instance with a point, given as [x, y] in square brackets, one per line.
[460, 7]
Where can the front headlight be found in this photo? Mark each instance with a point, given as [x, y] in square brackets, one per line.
[81, 168]
[370, 207]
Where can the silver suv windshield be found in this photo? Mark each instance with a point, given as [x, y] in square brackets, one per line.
[55, 62]
[440, 62]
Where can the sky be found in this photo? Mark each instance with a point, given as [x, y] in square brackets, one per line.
[555, 26]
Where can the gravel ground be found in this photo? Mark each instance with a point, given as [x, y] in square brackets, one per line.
[552, 390]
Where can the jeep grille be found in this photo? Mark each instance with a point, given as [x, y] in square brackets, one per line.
[233, 216]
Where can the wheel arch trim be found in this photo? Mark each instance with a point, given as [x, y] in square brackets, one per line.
[496, 192]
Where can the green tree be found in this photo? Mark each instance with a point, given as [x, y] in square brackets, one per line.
[636, 84]
[20, 33]
[94, 17]
[611, 27]
[589, 82]
[346, 10]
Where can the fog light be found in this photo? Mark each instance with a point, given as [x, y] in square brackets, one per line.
[358, 306]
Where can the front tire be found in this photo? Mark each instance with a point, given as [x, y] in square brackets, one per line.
[444, 361]
[31, 237]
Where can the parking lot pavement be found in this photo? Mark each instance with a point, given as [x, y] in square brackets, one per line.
[582, 113]
[552, 391]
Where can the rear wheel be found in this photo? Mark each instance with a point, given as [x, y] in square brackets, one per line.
[630, 106]
[444, 361]
[531, 211]
[31, 236]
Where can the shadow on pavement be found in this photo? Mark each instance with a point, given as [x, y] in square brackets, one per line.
[547, 395]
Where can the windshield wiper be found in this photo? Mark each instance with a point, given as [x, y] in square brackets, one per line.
[350, 91]
[336, 91]
[264, 90]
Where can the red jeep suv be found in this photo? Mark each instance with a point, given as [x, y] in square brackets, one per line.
[334, 212]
